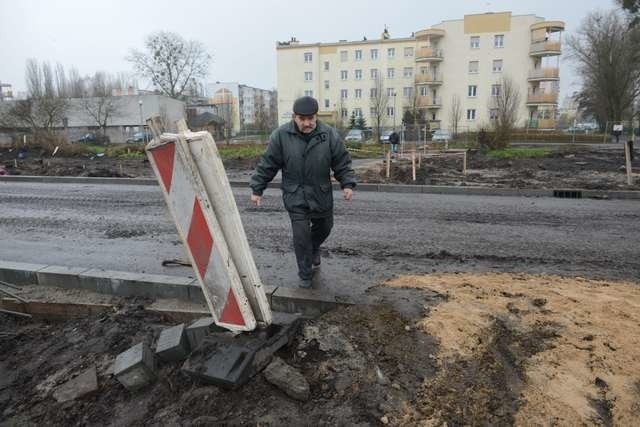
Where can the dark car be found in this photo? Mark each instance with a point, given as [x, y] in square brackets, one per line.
[140, 137]
[93, 138]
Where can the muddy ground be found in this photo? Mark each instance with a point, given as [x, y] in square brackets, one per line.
[598, 169]
[445, 349]
[566, 167]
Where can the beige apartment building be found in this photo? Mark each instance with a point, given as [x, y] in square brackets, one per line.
[465, 59]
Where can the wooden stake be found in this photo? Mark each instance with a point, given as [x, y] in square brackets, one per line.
[413, 165]
[464, 163]
[121, 170]
[15, 163]
[419, 160]
[627, 158]
[388, 162]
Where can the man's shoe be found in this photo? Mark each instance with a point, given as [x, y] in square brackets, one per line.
[315, 261]
[305, 283]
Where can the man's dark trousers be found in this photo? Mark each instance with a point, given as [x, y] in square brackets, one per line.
[308, 234]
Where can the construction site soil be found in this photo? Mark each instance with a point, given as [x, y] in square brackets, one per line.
[565, 167]
[435, 350]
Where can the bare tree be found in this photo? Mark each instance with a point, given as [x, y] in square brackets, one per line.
[45, 107]
[99, 103]
[505, 105]
[455, 114]
[378, 103]
[170, 62]
[261, 115]
[605, 51]
[632, 7]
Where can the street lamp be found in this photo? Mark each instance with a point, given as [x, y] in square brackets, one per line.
[142, 121]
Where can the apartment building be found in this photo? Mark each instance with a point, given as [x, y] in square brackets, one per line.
[243, 106]
[465, 59]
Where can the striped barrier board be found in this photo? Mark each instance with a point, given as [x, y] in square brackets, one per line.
[200, 232]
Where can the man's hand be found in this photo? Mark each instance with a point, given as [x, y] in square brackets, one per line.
[256, 200]
[347, 193]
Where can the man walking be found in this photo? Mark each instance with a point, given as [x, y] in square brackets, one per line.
[393, 140]
[306, 150]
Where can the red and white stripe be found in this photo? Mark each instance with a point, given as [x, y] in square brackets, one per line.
[201, 235]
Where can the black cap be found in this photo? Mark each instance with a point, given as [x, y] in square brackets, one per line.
[305, 106]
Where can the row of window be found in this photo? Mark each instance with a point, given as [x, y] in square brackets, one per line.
[390, 112]
[498, 41]
[472, 91]
[358, 54]
[474, 66]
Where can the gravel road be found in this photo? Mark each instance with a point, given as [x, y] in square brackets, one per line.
[376, 236]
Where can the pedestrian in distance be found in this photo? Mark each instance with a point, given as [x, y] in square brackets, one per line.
[394, 138]
[306, 150]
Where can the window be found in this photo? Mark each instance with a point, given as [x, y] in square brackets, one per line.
[373, 92]
[374, 54]
[424, 91]
[358, 74]
[391, 52]
[358, 93]
[495, 90]
[497, 65]
[471, 114]
[391, 91]
[326, 65]
[326, 84]
[493, 114]
[308, 57]
[472, 91]
[390, 111]
[357, 112]
[343, 93]
[358, 55]
[407, 72]
[344, 55]
[373, 112]
[498, 40]
[344, 74]
[308, 93]
[407, 91]
[326, 103]
[308, 76]
[391, 73]
[473, 67]
[374, 74]
[475, 42]
[408, 51]
[344, 113]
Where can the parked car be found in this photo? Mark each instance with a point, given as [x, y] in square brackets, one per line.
[441, 135]
[92, 138]
[140, 137]
[354, 135]
[384, 136]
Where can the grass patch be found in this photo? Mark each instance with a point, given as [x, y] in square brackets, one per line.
[520, 153]
[250, 151]
[365, 151]
[95, 149]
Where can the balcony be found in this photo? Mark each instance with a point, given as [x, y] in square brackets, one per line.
[428, 102]
[545, 48]
[428, 54]
[545, 73]
[429, 78]
[542, 98]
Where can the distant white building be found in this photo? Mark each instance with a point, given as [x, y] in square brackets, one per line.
[240, 105]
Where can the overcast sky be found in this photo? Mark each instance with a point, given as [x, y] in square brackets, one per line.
[240, 34]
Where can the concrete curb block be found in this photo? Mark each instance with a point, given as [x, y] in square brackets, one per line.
[309, 303]
[382, 188]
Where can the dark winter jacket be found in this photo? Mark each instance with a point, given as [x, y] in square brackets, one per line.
[394, 138]
[306, 168]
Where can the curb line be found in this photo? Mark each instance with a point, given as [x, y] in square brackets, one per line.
[380, 188]
[309, 303]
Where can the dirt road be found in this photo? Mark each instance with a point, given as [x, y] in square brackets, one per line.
[376, 237]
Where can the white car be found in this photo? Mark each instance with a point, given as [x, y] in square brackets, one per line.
[441, 135]
[384, 136]
[355, 135]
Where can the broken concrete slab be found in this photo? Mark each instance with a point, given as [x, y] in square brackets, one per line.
[83, 384]
[199, 329]
[172, 344]
[287, 379]
[135, 368]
